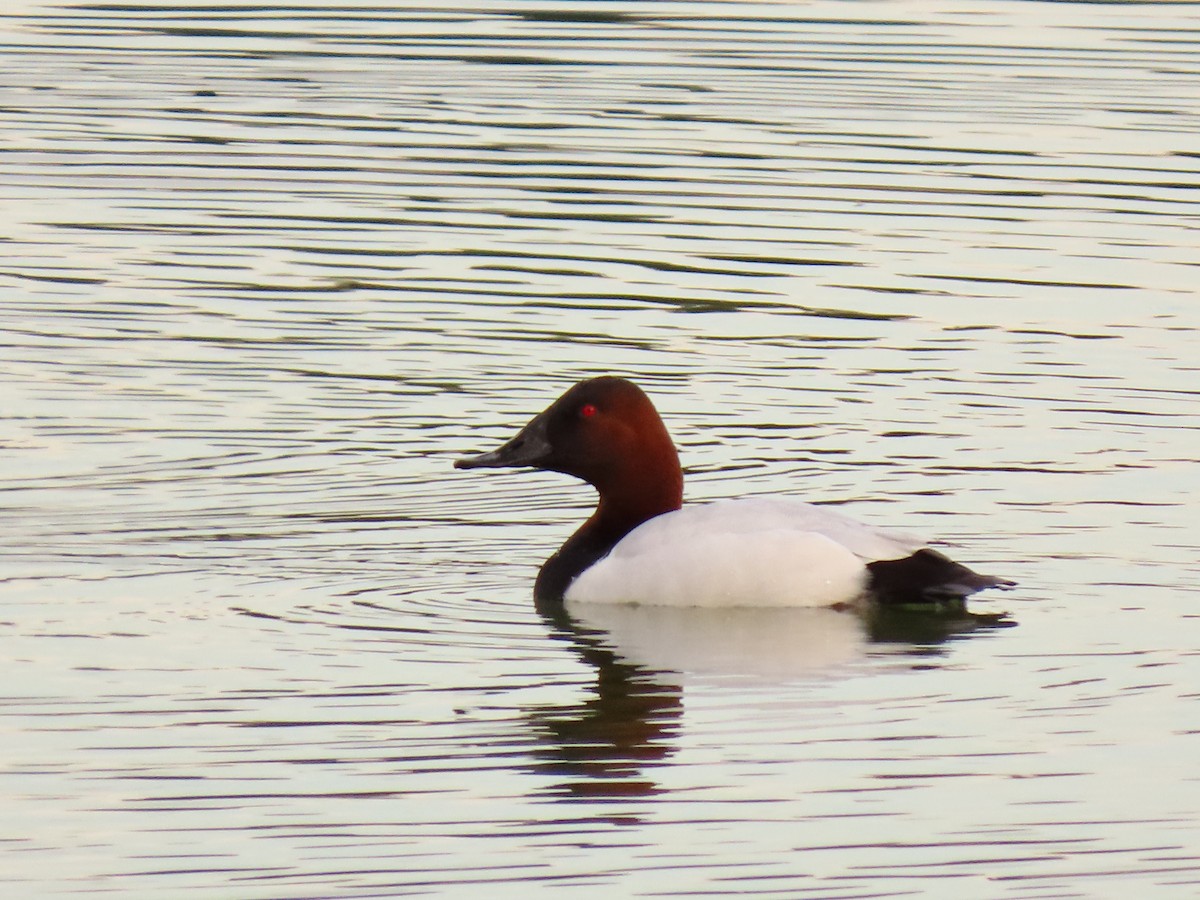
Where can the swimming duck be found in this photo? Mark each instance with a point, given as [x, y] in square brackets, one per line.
[642, 545]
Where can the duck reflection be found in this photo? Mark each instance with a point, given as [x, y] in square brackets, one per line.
[609, 744]
[604, 745]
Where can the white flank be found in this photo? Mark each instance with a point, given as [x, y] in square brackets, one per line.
[751, 552]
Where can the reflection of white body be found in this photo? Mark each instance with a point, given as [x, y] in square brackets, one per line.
[756, 551]
[772, 643]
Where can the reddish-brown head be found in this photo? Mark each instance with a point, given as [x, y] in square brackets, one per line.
[607, 432]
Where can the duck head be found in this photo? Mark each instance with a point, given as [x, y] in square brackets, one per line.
[606, 432]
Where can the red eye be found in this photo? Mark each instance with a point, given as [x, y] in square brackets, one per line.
[587, 411]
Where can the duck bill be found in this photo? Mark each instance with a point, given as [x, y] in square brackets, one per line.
[530, 447]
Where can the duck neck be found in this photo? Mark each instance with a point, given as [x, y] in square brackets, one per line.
[618, 514]
[642, 496]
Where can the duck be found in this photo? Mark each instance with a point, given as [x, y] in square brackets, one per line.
[643, 545]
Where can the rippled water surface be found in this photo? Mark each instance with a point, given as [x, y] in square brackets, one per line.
[267, 269]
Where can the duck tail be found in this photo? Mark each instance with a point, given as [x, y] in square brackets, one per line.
[927, 577]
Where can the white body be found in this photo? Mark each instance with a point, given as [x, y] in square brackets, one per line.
[751, 552]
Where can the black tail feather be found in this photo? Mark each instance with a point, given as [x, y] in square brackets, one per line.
[927, 577]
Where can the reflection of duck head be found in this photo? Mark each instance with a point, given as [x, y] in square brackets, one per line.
[602, 744]
[643, 656]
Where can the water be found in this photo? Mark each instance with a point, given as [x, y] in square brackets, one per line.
[268, 269]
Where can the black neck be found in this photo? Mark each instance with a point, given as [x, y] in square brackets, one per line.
[557, 573]
[591, 543]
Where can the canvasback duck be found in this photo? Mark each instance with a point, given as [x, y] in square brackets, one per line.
[641, 545]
